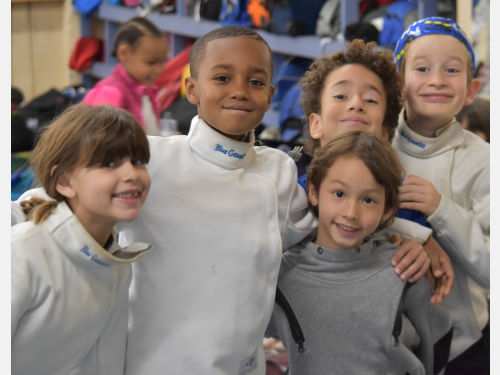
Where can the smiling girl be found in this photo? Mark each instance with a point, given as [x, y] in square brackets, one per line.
[70, 278]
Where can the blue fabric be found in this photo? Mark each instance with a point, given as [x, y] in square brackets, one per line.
[412, 215]
[234, 12]
[21, 182]
[289, 73]
[87, 7]
[290, 108]
[428, 26]
[306, 12]
[394, 20]
[303, 181]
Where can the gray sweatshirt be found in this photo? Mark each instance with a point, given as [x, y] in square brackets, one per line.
[346, 302]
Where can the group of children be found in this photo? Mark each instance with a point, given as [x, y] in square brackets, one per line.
[220, 210]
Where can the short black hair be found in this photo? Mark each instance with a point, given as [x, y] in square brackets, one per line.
[197, 53]
[132, 30]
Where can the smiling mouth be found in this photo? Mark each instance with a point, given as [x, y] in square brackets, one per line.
[128, 195]
[354, 121]
[239, 109]
[347, 230]
[437, 96]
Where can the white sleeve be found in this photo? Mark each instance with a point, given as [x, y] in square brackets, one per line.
[20, 297]
[16, 212]
[300, 221]
[408, 230]
[464, 234]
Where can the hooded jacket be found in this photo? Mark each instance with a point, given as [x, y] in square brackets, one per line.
[356, 315]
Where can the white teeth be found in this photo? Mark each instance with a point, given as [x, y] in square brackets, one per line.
[350, 229]
[128, 195]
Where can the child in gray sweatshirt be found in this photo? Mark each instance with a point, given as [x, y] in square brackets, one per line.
[340, 308]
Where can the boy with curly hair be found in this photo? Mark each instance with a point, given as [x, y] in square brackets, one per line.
[359, 89]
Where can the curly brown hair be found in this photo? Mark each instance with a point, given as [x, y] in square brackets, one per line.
[356, 52]
[376, 153]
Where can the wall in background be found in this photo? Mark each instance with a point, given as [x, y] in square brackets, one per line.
[43, 34]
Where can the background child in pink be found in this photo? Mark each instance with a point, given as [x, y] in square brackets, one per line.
[141, 49]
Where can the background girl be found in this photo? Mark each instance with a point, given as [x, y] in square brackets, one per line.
[141, 49]
[70, 278]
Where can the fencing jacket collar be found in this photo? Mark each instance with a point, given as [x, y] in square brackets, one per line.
[219, 149]
[80, 246]
[448, 137]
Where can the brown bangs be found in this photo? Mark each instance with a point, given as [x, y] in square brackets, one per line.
[120, 136]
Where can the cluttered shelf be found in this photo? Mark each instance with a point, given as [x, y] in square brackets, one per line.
[309, 46]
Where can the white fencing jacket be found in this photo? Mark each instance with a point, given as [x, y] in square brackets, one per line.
[69, 299]
[458, 164]
[218, 214]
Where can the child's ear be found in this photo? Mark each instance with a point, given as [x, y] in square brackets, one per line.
[402, 95]
[313, 197]
[64, 187]
[472, 89]
[271, 93]
[123, 52]
[387, 214]
[315, 128]
[191, 92]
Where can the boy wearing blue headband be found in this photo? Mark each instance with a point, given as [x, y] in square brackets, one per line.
[449, 173]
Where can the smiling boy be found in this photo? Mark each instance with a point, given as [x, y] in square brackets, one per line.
[221, 210]
[450, 171]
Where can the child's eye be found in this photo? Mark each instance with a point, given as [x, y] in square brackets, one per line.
[368, 200]
[108, 164]
[371, 101]
[256, 83]
[451, 70]
[137, 162]
[340, 96]
[422, 69]
[339, 194]
[222, 79]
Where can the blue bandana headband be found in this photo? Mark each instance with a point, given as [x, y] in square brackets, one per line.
[428, 26]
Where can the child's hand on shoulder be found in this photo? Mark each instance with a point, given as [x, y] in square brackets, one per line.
[442, 275]
[419, 194]
[410, 260]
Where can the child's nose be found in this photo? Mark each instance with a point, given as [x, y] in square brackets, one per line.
[437, 78]
[239, 91]
[356, 104]
[350, 209]
[129, 172]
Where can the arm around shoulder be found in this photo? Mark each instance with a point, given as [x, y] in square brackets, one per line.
[300, 221]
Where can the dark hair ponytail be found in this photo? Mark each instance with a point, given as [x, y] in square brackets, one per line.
[131, 31]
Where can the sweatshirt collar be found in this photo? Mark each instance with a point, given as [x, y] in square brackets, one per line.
[342, 256]
[448, 137]
[219, 149]
[81, 246]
